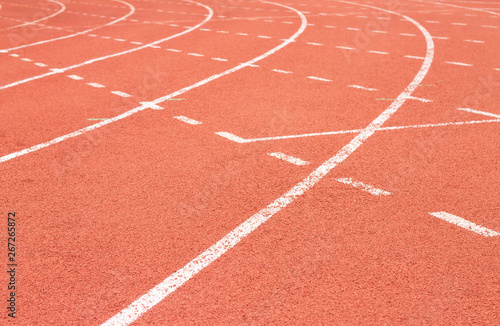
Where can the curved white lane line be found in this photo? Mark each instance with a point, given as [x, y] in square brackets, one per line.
[63, 8]
[61, 70]
[177, 279]
[173, 282]
[132, 10]
[461, 7]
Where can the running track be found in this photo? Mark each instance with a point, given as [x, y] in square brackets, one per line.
[251, 162]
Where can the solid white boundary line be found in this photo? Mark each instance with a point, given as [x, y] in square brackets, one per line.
[63, 8]
[463, 223]
[177, 279]
[169, 285]
[61, 70]
[288, 158]
[480, 112]
[132, 10]
[360, 185]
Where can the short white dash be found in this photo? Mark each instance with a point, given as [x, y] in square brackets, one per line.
[353, 29]
[187, 120]
[378, 52]
[459, 24]
[173, 25]
[106, 37]
[173, 50]
[244, 34]
[119, 40]
[489, 26]
[313, 43]
[122, 94]
[480, 112]
[458, 63]
[319, 78]
[223, 32]
[281, 71]
[289, 23]
[441, 38]
[289, 159]
[380, 32]
[360, 185]
[406, 34]
[432, 22]
[263, 36]
[138, 43]
[463, 223]
[75, 77]
[344, 47]
[219, 59]
[196, 54]
[39, 64]
[92, 35]
[14, 55]
[205, 29]
[419, 99]
[96, 85]
[363, 88]
[26, 59]
[474, 41]
[330, 26]
[414, 57]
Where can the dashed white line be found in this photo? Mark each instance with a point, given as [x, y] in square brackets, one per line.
[353, 29]
[26, 59]
[419, 99]
[314, 43]
[138, 43]
[344, 48]
[474, 41]
[406, 34]
[459, 24]
[414, 57]
[360, 185]
[380, 32]
[244, 34]
[187, 120]
[377, 52]
[119, 40]
[263, 36]
[281, 71]
[196, 54]
[463, 223]
[458, 63]
[330, 26]
[223, 32]
[219, 59]
[480, 112]
[319, 78]
[489, 26]
[363, 88]
[39, 64]
[96, 85]
[289, 159]
[75, 77]
[173, 50]
[122, 94]
[15, 55]
[441, 37]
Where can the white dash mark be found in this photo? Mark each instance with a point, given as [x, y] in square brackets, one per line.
[231, 137]
[244, 34]
[441, 38]
[205, 29]
[463, 223]
[39, 64]
[138, 43]
[313, 43]
[406, 34]
[282, 71]
[363, 88]
[474, 41]
[196, 54]
[489, 26]
[330, 26]
[480, 112]
[26, 59]
[187, 120]
[497, 69]
[173, 25]
[223, 32]
[352, 29]
[432, 22]
[155, 46]
[106, 37]
[219, 59]
[289, 159]
[459, 24]
[92, 35]
[378, 52]
[413, 57]
[344, 47]
[263, 36]
[14, 55]
[122, 94]
[319, 78]
[419, 99]
[173, 50]
[380, 32]
[75, 77]
[458, 63]
[119, 40]
[360, 185]
[96, 85]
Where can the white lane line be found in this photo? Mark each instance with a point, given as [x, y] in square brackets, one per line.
[61, 70]
[377, 52]
[92, 35]
[474, 41]
[238, 139]
[107, 37]
[15, 55]
[432, 21]
[174, 281]
[289, 159]
[119, 40]
[440, 38]
[345, 47]
[122, 94]
[219, 59]
[26, 60]
[406, 34]
[135, 42]
[263, 36]
[223, 32]
[196, 54]
[363, 88]
[353, 29]
[96, 85]
[419, 99]
[380, 32]
[132, 10]
[497, 69]
[75, 77]
[459, 24]
[205, 29]
[414, 57]
[463, 223]
[319, 78]
[330, 26]
[187, 120]
[244, 34]
[480, 112]
[63, 8]
[282, 71]
[39, 64]
[184, 274]
[360, 185]
[173, 50]
[458, 63]
[313, 43]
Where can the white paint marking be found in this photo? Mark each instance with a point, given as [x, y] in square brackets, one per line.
[63, 8]
[330, 26]
[432, 22]
[360, 185]
[497, 69]
[122, 94]
[39, 64]
[119, 40]
[138, 43]
[440, 38]
[474, 41]
[263, 36]
[282, 71]
[205, 29]
[406, 34]
[219, 59]
[75, 77]
[463, 223]
[155, 46]
[353, 29]
[480, 112]
[459, 24]
[363, 88]
[419, 99]
[223, 32]
[187, 120]
[196, 54]
[377, 52]
[414, 57]
[26, 60]
[244, 34]
[380, 32]
[14, 55]
[344, 48]
[313, 43]
[289, 159]
[173, 50]
[458, 63]
[319, 78]
[232, 137]
[489, 26]
[96, 85]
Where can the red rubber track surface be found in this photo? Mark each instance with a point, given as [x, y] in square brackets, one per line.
[103, 217]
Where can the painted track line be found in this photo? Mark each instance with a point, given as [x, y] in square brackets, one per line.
[319, 78]
[360, 185]
[63, 8]
[458, 63]
[177, 279]
[463, 223]
[363, 88]
[288, 158]
[61, 70]
[188, 120]
[122, 94]
[132, 10]
[460, 7]
[480, 112]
